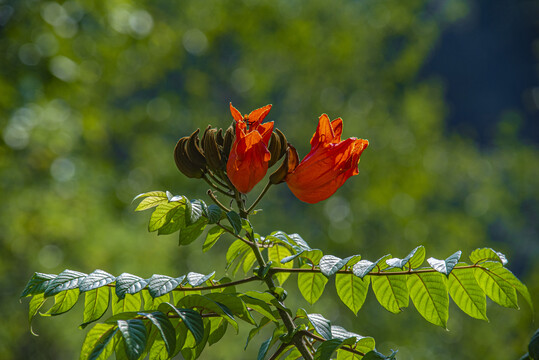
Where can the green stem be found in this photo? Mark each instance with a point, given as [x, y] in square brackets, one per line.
[217, 202]
[266, 188]
[288, 322]
[216, 187]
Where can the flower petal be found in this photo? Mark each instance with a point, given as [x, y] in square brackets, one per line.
[236, 114]
[257, 116]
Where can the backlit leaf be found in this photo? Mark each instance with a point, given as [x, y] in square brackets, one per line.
[428, 292]
[96, 303]
[275, 254]
[467, 294]
[311, 285]
[352, 290]
[391, 291]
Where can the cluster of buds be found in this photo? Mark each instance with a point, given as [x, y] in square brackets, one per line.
[197, 157]
[242, 155]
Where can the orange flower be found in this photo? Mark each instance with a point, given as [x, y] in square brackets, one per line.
[248, 160]
[328, 165]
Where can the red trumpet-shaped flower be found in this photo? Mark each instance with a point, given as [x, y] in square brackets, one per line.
[248, 160]
[328, 165]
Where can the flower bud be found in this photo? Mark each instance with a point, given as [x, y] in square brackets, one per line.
[219, 138]
[212, 152]
[194, 152]
[284, 143]
[274, 148]
[184, 164]
[290, 162]
[229, 140]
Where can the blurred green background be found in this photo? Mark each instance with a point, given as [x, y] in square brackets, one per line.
[95, 94]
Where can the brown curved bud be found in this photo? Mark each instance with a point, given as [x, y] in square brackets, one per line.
[229, 140]
[219, 138]
[284, 143]
[288, 165]
[195, 153]
[183, 162]
[211, 150]
[274, 148]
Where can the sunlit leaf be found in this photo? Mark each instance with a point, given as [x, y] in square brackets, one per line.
[151, 199]
[428, 292]
[135, 336]
[164, 213]
[487, 254]
[63, 302]
[37, 284]
[128, 303]
[211, 238]
[159, 285]
[467, 294]
[311, 284]
[192, 232]
[352, 290]
[276, 253]
[99, 342]
[445, 266]
[129, 284]
[96, 303]
[165, 328]
[66, 280]
[330, 264]
[391, 291]
[196, 279]
[321, 325]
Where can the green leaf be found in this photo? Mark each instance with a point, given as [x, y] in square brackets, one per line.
[135, 336]
[152, 199]
[196, 279]
[192, 319]
[35, 304]
[259, 306]
[391, 291]
[428, 292]
[415, 258]
[365, 344]
[213, 213]
[175, 222]
[321, 325]
[487, 254]
[495, 285]
[96, 303]
[192, 232]
[263, 349]
[445, 266]
[218, 330]
[275, 254]
[500, 284]
[159, 285]
[163, 324]
[99, 342]
[127, 304]
[234, 303]
[467, 294]
[311, 285]
[263, 322]
[152, 193]
[211, 238]
[248, 261]
[330, 264]
[312, 255]
[96, 280]
[129, 284]
[37, 284]
[236, 249]
[207, 304]
[352, 290]
[235, 221]
[327, 348]
[63, 302]
[194, 210]
[164, 213]
[512, 280]
[66, 280]
[364, 267]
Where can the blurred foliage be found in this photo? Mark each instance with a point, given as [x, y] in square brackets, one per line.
[94, 95]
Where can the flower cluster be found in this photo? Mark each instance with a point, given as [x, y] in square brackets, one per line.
[240, 158]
